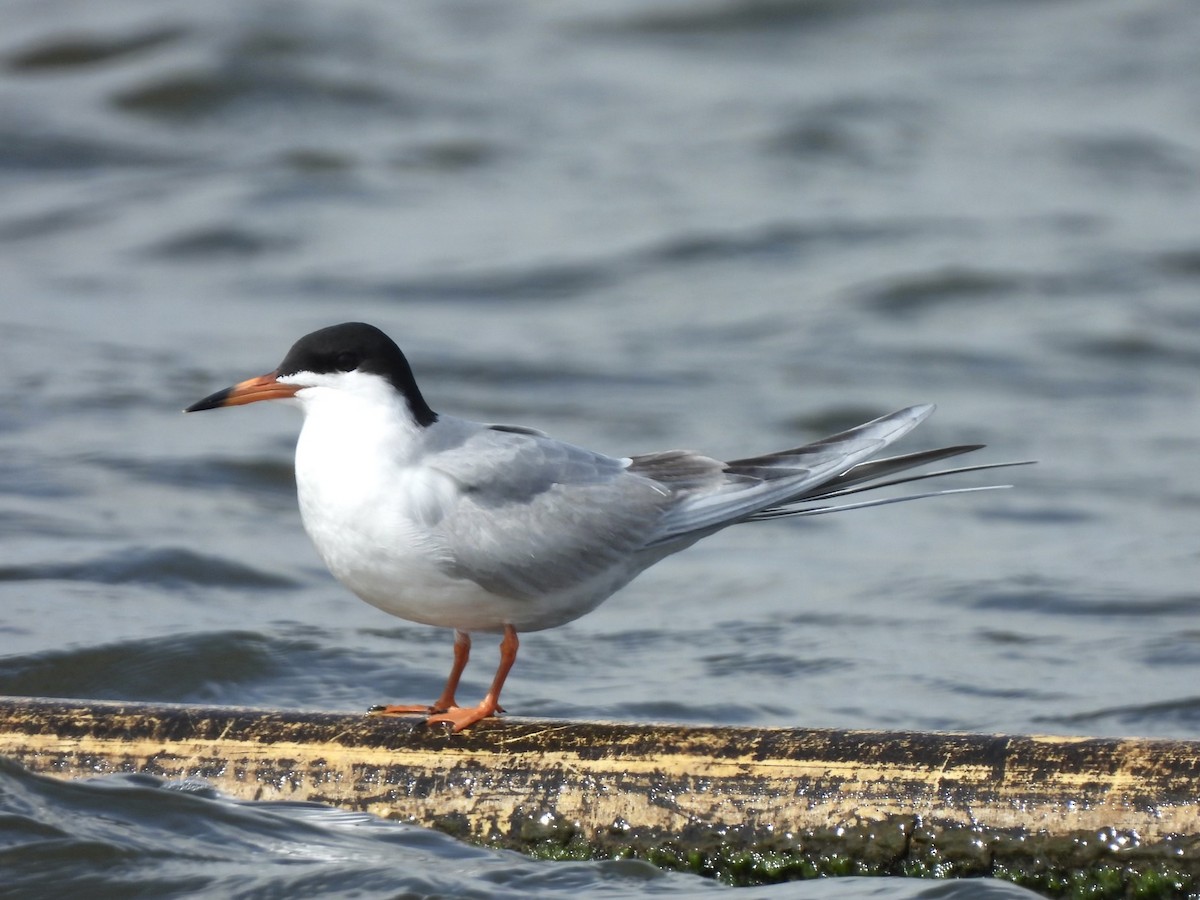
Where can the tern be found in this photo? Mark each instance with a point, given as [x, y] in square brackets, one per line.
[504, 529]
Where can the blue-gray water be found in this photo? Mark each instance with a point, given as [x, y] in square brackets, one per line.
[637, 225]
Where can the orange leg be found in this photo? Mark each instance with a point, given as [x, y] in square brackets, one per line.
[462, 653]
[462, 717]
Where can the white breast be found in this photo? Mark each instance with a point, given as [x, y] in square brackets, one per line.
[371, 507]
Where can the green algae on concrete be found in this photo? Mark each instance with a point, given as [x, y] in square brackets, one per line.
[1085, 866]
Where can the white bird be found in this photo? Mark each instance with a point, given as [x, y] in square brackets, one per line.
[497, 528]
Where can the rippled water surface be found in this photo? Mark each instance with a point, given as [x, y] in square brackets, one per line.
[727, 226]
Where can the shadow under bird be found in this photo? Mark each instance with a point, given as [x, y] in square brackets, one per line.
[499, 528]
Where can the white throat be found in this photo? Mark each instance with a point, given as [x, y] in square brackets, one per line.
[356, 432]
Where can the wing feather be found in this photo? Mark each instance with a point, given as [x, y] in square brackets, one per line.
[746, 486]
[535, 516]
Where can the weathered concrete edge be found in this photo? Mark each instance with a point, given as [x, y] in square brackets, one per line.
[598, 788]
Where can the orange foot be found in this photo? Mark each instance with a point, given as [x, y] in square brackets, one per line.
[413, 710]
[444, 709]
[461, 717]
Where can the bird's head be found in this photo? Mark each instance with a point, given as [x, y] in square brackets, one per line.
[352, 358]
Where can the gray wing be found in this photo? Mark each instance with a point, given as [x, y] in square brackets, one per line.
[536, 516]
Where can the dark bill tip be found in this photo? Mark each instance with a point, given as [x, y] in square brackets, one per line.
[212, 401]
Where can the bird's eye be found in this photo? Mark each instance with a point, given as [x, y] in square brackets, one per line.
[346, 361]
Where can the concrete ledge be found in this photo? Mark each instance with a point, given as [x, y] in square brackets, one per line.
[786, 802]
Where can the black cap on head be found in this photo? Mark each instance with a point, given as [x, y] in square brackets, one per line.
[357, 346]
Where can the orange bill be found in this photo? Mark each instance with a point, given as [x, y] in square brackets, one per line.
[264, 387]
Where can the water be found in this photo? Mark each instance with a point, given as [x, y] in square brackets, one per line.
[733, 227]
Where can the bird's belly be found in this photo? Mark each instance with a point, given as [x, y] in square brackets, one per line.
[396, 571]
[434, 598]
[396, 565]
